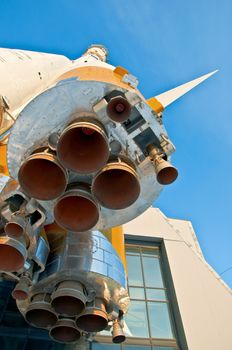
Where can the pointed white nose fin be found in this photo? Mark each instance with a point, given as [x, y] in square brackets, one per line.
[168, 97]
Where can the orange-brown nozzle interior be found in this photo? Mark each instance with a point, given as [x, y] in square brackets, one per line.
[166, 173]
[118, 109]
[76, 212]
[83, 147]
[40, 313]
[116, 187]
[21, 289]
[68, 305]
[69, 299]
[41, 318]
[11, 259]
[13, 229]
[94, 318]
[94, 321]
[19, 294]
[64, 332]
[118, 335]
[42, 177]
[118, 339]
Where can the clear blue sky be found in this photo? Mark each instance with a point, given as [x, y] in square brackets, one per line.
[163, 43]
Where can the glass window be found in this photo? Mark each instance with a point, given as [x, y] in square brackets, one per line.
[156, 294]
[159, 320]
[136, 293]
[154, 252]
[136, 320]
[133, 250]
[12, 343]
[101, 346]
[148, 315]
[135, 277]
[136, 347]
[152, 273]
[163, 348]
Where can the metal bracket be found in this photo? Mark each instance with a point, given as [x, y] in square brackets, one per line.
[167, 145]
[130, 80]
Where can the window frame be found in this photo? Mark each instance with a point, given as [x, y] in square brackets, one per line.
[150, 342]
[140, 246]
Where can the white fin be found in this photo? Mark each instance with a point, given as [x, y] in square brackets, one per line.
[166, 98]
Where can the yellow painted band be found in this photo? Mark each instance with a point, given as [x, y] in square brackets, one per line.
[120, 71]
[114, 77]
[3, 159]
[155, 105]
[100, 74]
[116, 236]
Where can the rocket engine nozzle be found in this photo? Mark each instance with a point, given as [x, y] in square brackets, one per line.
[94, 318]
[69, 299]
[13, 254]
[118, 335]
[166, 173]
[76, 209]
[40, 313]
[65, 331]
[21, 289]
[13, 229]
[83, 146]
[41, 176]
[116, 186]
[118, 109]
[16, 227]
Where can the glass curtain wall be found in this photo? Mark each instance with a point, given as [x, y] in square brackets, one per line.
[149, 320]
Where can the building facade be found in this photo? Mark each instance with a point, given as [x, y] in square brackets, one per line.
[177, 299]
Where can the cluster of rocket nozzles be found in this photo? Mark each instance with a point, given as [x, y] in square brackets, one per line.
[81, 151]
[83, 148]
[66, 312]
[15, 241]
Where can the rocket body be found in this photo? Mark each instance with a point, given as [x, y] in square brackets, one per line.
[82, 152]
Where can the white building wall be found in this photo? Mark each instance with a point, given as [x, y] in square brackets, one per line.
[204, 301]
